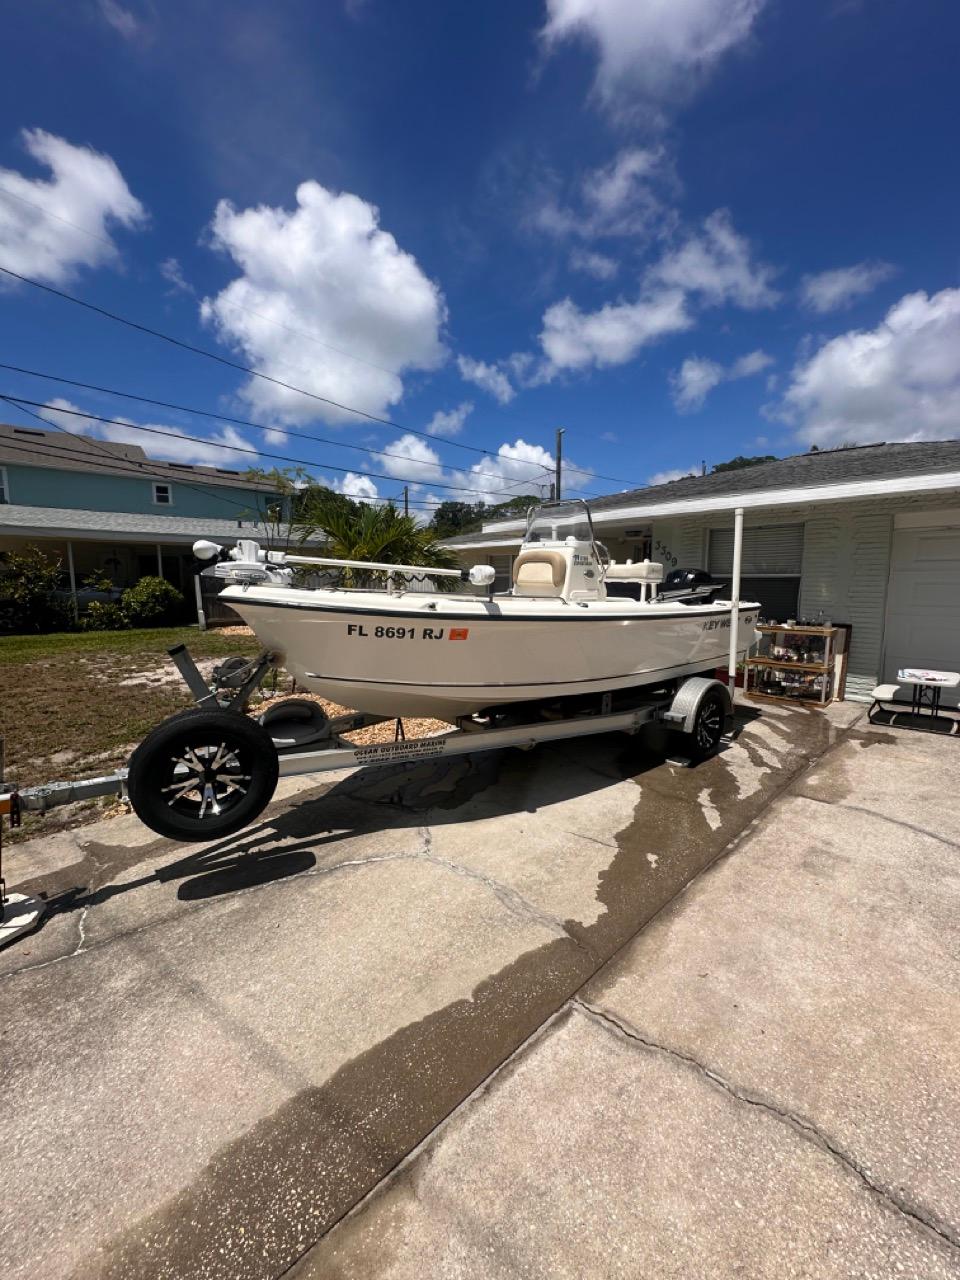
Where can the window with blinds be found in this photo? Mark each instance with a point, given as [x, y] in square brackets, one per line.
[772, 552]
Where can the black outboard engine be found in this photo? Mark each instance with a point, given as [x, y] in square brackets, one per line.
[689, 586]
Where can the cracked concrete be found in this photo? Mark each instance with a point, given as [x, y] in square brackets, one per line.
[763, 1082]
[801, 1123]
[236, 1043]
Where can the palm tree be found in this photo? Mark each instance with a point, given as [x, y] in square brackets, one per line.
[361, 531]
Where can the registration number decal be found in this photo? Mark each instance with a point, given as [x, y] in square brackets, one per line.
[361, 631]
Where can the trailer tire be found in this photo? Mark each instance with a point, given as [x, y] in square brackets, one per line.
[709, 725]
[229, 758]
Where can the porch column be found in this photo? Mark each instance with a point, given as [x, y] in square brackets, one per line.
[159, 561]
[73, 582]
[735, 599]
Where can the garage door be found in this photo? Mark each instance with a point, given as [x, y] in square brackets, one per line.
[923, 603]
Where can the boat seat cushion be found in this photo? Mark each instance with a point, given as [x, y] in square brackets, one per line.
[540, 573]
[643, 571]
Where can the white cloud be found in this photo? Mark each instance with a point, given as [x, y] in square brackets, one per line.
[834, 290]
[899, 381]
[716, 264]
[517, 469]
[120, 19]
[354, 486]
[697, 377]
[651, 52]
[621, 199]
[450, 422]
[598, 265]
[172, 272]
[623, 187]
[693, 382]
[316, 284]
[81, 202]
[573, 339]
[488, 377]
[668, 477]
[411, 458]
[176, 446]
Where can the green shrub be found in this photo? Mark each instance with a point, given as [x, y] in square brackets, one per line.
[27, 592]
[104, 616]
[152, 602]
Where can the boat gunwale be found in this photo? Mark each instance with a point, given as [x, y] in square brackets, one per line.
[582, 615]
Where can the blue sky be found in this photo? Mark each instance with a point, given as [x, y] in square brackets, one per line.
[680, 229]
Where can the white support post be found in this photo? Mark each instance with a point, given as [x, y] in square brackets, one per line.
[201, 616]
[159, 561]
[735, 600]
[73, 582]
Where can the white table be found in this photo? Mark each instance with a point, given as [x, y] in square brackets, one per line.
[927, 685]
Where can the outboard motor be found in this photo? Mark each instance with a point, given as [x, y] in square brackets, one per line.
[690, 586]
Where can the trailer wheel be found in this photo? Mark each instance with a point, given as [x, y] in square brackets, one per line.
[202, 775]
[709, 725]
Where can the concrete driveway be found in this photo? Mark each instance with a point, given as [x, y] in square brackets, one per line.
[211, 1054]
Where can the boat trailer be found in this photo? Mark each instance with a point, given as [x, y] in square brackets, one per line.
[207, 772]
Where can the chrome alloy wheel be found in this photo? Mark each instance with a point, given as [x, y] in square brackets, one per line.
[206, 780]
[709, 728]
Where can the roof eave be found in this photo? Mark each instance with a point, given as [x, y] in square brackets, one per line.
[803, 495]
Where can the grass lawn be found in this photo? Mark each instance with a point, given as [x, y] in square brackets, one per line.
[75, 704]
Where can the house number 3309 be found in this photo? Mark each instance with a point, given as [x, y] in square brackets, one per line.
[663, 553]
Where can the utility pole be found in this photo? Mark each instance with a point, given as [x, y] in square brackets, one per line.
[406, 500]
[559, 453]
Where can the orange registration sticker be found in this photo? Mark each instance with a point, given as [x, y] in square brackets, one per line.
[458, 633]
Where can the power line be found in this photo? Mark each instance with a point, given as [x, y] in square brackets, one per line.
[125, 466]
[114, 464]
[269, 320]
[66, 221]
[234, 364]
[222, 417]
[232, 448]
[254, 373]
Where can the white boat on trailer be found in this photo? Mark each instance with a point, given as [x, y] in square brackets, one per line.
[554, 657]
[556, 634]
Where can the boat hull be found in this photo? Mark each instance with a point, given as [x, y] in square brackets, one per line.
[442, 659]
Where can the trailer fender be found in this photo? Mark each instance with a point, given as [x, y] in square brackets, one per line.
[686, 703]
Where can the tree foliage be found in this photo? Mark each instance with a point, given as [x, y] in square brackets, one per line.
[452, 518]
[739, 462]
[28, 603]
[152, 602]
[361, 531]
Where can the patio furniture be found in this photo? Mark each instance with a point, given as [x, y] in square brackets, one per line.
[923, 711]
[927, 686]
[882, 694]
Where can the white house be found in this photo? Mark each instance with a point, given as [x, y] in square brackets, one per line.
[868, 536]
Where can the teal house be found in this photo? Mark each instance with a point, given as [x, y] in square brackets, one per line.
[110, 509]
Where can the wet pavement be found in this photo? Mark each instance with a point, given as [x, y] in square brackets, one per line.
[210, 1054]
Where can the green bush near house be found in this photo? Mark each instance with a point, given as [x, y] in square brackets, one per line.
[152, 602]
[28, 604]
[102, 615]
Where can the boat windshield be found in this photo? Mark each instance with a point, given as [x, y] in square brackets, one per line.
[557, 521]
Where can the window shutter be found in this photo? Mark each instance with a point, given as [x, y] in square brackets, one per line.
[776, 551]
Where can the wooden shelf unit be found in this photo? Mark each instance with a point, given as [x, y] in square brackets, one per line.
[817, 685]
